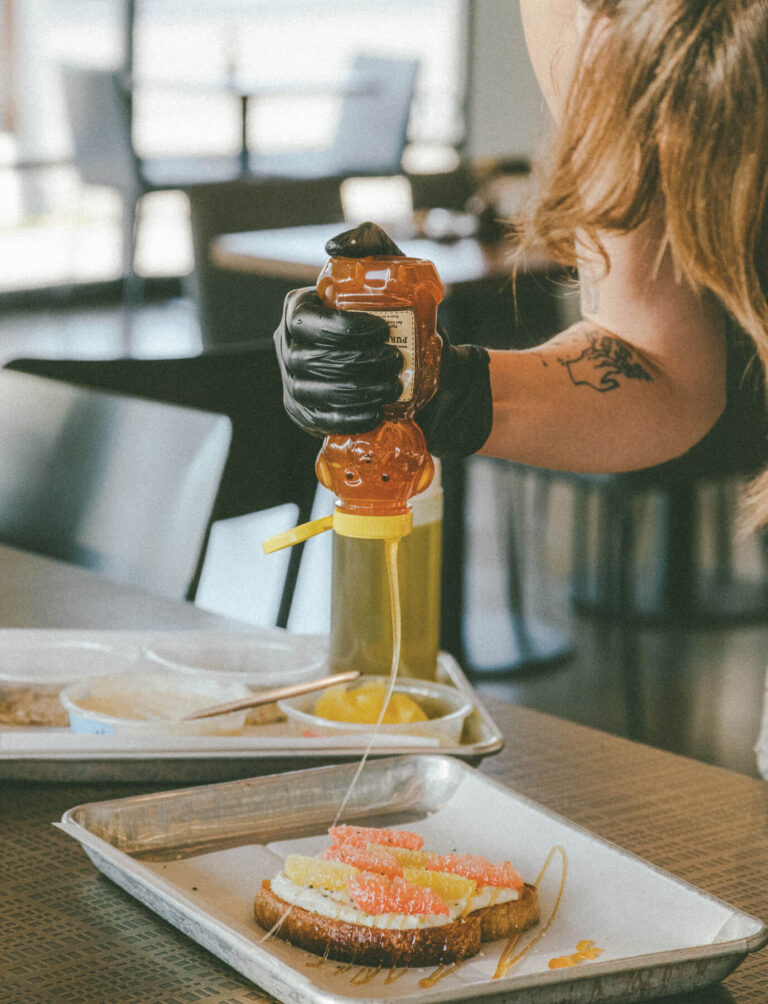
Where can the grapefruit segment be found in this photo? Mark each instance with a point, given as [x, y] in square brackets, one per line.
[375, 894]
[361, 836]
[476, 867]
[368, 859]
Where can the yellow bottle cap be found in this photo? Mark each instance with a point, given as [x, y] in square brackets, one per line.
[297, 534]
[349, 524]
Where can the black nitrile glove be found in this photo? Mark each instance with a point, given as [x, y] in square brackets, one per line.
[339, 371]
[457, 421]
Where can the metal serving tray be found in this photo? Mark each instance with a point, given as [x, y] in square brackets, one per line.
[48, 754]
[197, 857]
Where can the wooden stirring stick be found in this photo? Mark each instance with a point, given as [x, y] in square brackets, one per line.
[274, 694]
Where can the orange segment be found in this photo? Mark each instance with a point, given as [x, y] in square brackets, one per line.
[476, 867]
[361, 836]
[447, 886]
[332, 875]
[407, 858]
[368, 859]
[362, 705]
[375, 894]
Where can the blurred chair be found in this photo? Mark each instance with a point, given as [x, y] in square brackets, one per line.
[270, 461]
[452, 189]
[234, 307]
[372, 130]
[113, 483]
[99, 112]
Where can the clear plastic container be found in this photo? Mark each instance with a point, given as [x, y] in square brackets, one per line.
[35, 669]
[152, 701]
[268, 658]
[445, 707]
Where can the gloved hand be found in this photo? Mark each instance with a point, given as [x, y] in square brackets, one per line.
[339, 371]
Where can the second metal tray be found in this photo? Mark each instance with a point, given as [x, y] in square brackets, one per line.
[197, 857]
[39, 754]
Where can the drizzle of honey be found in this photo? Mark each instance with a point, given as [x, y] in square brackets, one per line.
[391, 549]
[507, 959]
[585, 950]
[315, 963]
[395, 973]
[440, 973]
[365, 975]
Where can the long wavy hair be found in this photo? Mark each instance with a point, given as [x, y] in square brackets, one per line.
[668, 112]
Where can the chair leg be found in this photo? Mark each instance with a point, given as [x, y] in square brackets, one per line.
[623, 548]
[724, 506]
[680, 572]
[133, 284]
[580, 573]
[454, 476]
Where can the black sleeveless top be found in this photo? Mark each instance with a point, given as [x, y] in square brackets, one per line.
[737, 444]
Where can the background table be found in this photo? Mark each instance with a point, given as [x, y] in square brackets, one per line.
[70, 935]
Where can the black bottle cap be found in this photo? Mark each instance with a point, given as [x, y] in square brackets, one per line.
[361, 242]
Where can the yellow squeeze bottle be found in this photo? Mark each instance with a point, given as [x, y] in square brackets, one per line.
[361, 630]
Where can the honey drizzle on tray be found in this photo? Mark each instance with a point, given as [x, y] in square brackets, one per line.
[365, 975]
[507, 960]
[585, 950]
[443, 970]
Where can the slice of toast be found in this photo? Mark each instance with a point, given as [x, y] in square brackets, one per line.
[505, 919]
[368, 946]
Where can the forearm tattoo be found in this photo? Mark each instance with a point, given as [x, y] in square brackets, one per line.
[602, 363]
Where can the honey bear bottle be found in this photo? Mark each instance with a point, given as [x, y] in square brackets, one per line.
[375, 474]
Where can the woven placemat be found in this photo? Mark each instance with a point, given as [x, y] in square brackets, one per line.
[70, 935]
[707, 825]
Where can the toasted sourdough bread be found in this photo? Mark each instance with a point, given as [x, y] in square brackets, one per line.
[506, 919]
[370, 946]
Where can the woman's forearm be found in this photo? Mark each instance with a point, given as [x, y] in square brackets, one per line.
[589, 401]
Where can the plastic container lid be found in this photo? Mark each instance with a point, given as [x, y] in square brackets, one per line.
[267, 658]
[32, 661]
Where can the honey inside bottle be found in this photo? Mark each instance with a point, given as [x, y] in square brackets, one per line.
[376, 473]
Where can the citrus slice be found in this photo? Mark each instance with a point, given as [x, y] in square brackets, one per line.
[331, 875]
[363, 705]
[447, 886]
[476, 867]
[375, 894]
[408, 858]
[368, 859]
[361, 836]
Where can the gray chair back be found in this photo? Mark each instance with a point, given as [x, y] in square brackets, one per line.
[235, 308]
[373, 124]
[118, 484]
[98, 110]
[271, 462]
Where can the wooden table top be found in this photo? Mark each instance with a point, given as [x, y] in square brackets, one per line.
[69, 934]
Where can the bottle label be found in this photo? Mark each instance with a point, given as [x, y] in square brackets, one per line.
[402, 334]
